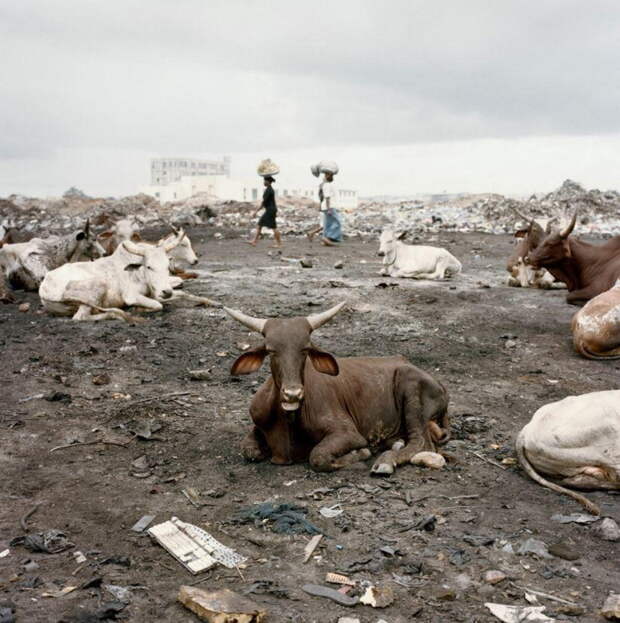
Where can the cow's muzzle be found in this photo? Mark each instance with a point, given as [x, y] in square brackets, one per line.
[291, 398]
[381, 253]
[166, 294]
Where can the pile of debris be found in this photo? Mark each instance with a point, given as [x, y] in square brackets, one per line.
[490, 213]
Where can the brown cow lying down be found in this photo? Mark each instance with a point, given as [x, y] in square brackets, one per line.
[577, 441]
[596, 327]
[331, 411]
[587, 270]
[521, 274]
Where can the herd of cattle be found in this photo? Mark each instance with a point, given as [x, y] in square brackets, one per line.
[335, 411]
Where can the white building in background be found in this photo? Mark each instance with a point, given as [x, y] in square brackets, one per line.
[176, 179]
[168, 170]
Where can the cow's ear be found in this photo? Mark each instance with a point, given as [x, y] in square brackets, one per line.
[323, 361]
[566, 245]
[401, 235]
[521, 233]
[131, 267]
[135, 237]
[81, 235]
[250, 361]
[104, 235]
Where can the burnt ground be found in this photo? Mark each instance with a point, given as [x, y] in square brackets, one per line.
[501, 352]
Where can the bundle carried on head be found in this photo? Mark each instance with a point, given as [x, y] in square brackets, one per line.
[325, 166]
[268, 168]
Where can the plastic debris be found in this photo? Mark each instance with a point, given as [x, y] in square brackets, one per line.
[331, 511]
[4, 553]
[494, 576]
[311, 546]
[193, 547]
[611, 607]
[338, 578]
[329, 593]
[60, 593]
[608, 530]
[282, 518]
[142, 523]
[377, 596]
[518, 614]
[122, 593]
[534, 546]
[50, 542]
[220, 606]
[79, 557]
[575, 518]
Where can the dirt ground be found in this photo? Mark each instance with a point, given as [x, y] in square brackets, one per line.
[501, 352]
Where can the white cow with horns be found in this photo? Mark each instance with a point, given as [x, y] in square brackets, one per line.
[576, 441]
[414, 261]
[134, 275]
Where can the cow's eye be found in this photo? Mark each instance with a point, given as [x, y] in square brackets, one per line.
[150, 268]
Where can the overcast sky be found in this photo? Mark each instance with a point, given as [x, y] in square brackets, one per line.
[408, 96]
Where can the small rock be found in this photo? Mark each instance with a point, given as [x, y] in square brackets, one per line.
[510, 344]
[339, 265]
[24, 307]
[444, 593]
[611, 608]
[306, 262]
[348, 620]
[608, 530]
[199, 375]
[562, 550]
[534, 546]
[428, 459]
[101, 379]
[493, 576]
[570, 610]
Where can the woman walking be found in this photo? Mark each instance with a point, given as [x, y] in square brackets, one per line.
[268, 218]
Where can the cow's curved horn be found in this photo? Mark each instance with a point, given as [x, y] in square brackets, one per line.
[570, 227]
[519, 214]
[256, 324]
[87, 227]
[317, 320]
[170, 245]
[132, 248]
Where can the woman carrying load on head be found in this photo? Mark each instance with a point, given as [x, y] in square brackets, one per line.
[328, 198]
[268, 218]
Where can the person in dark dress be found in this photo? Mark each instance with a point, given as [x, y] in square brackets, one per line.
[268, 218]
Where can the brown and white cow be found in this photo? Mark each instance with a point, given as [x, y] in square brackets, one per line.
[521, 274]
[333, 412]
[596, 327]
[576, 442]
[586, 269]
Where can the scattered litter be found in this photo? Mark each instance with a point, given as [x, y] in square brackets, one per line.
[143, 429]
[311, 546]
[458, 557]
[193, 495]
[432, 460]
[534, 546]
[220, 606]
[101, 379]
[329, 593]
[24, 307]
[79, 557]
[348, 620]
[261, 587]
[608, 530]
[60, 593]
[611, 607]
[122, 561]
[194, 548]
[142, 523]
[339, 265]
[478, 540]
[575, 518]
[121, 593]
[331, 511]
[203, 374]
[7, 614]
[5, 553]
[338, 578]
[377, 596]
[58, 397]
[518, 614]
[283, 518]
[140, 467]
[306, 262]
[50, 542]
[494, 576]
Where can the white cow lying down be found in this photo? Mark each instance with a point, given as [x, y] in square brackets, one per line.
[414, 261]
[577, 442]
[134, 275]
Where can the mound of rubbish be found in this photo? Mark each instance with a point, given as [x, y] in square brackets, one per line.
[599, 212]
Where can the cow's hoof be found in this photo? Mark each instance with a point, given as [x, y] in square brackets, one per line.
[433, 460]
[253, 454]
[382, 469]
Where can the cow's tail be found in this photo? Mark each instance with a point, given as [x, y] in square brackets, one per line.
[584, 351]
[115, 311]
[535, 476]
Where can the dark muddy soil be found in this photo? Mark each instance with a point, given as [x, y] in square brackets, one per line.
[501, 352]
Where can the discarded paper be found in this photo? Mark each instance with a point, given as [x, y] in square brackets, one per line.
[221, 606]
